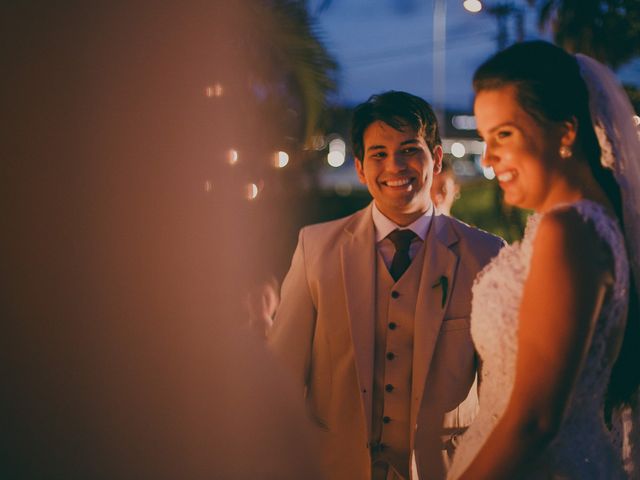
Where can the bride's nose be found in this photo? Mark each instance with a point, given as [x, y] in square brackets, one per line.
[488, 158]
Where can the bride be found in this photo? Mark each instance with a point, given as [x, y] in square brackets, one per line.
[555, 317]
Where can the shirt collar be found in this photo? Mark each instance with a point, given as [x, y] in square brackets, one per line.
[384, 226]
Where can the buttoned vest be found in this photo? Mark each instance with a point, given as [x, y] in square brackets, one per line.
[393, 360]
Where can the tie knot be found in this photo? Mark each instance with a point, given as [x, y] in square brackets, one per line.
[401, 239]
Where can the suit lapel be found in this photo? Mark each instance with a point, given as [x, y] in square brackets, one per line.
[358, 273]
[439, 262]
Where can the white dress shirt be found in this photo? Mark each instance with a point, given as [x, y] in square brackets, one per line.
[384, 226]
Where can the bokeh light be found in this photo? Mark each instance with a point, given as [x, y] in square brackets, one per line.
[232, 156]
[473, 6]
[281, 159]
[343, 189]
[251, 191]
[464, 122]
[458, 150]
[488, 173]
[337, 152]
[335, 158]
[214, 90]
[338, 145]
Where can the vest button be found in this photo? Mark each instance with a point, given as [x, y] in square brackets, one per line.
[388, 387]
[386, 419]
[395, 294]
[392, 325]
[390, 356]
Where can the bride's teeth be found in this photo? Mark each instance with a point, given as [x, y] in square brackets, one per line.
[505, 177]
[397, 183]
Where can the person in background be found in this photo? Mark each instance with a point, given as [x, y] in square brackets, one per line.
[445, 189]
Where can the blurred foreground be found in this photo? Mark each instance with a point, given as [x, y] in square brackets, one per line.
[126, 250]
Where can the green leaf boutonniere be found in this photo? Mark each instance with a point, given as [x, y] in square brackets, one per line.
[443, 282]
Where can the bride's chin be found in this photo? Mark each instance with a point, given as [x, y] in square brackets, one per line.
[513, 202]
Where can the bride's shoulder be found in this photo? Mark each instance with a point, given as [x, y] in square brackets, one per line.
[586, 210]
[572, 222]
[563, 224]
[585, 219]
[574, 233]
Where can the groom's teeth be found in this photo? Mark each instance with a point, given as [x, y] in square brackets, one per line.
[506, 177]
[398, 183]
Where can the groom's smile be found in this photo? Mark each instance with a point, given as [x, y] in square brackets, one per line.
[398, 183]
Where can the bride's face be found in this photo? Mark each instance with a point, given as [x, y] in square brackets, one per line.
[522, 152]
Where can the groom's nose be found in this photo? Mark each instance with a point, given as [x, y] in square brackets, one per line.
[395, 162]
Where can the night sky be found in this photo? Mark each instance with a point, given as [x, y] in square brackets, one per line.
[388, 44]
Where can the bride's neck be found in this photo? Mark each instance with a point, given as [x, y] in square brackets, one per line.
[576, 183]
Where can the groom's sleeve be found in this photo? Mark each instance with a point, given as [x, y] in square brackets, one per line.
[291, 336]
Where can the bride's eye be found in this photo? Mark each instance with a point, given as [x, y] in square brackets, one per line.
[503, 134]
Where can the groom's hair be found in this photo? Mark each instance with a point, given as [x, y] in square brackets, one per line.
[398, 110]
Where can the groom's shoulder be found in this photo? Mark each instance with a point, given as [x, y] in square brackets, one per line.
[475, 238]
[331, 233]
[337, 225]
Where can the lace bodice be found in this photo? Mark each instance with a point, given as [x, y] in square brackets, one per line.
[584, 447]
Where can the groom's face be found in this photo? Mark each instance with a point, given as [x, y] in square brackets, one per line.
[397, 167]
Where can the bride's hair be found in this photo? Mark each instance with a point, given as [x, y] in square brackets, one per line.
[549, 87]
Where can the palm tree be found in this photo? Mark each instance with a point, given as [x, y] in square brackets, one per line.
[290, 65]
[608, 30]
[277, 78]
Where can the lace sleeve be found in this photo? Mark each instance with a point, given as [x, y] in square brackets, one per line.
[625, 430]
[631, 452]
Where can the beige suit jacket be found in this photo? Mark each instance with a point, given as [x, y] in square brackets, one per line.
[324, 333]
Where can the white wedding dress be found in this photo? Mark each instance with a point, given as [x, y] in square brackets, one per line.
[584, 448]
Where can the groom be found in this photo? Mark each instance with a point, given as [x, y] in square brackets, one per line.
[374, 314]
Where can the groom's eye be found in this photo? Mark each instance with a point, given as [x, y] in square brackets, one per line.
[504, 134]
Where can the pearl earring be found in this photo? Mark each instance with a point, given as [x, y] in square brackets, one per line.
[565, 152]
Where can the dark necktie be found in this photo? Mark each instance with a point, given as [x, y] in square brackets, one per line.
[401, 240]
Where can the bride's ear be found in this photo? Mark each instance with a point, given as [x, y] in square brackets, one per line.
[569, 132]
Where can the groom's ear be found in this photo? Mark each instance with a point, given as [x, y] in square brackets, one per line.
[437, 159]
[360, 170]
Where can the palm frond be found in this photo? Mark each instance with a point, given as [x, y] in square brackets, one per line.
[289, 57]
[608, 30]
